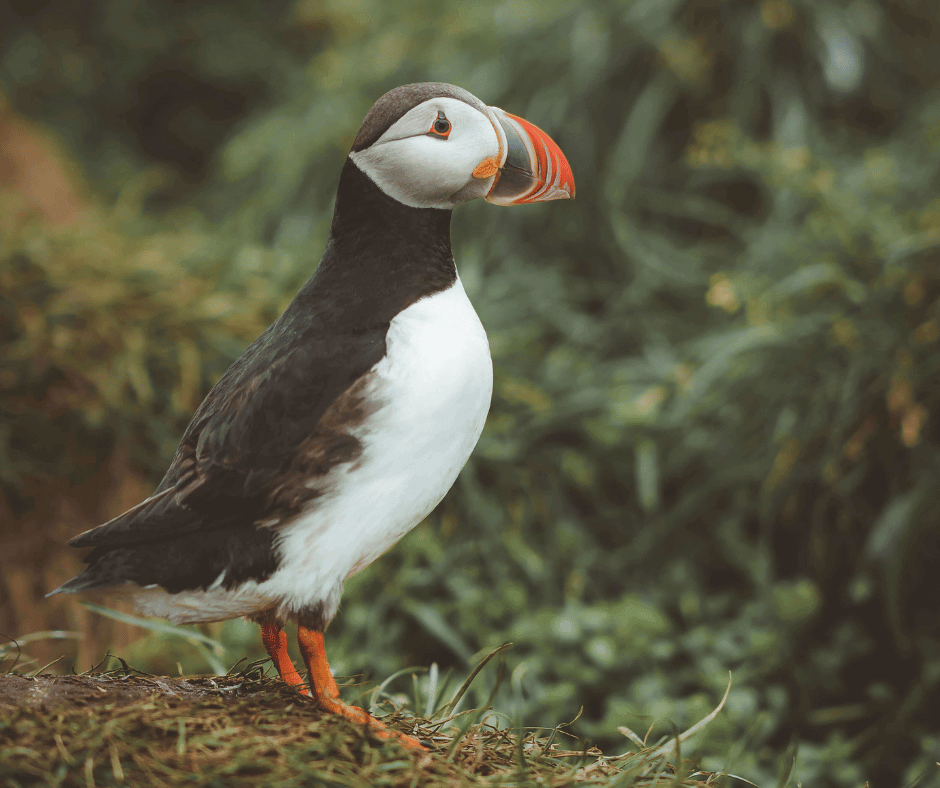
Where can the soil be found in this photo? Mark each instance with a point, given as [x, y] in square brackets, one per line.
[51, 692]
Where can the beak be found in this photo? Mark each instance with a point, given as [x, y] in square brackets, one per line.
[532, 166]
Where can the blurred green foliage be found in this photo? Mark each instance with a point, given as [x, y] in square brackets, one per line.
[714, 440]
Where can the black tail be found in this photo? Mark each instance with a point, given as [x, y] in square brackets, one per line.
[85, 580]
[182, 562]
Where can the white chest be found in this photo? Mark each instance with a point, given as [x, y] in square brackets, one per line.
[430, 395]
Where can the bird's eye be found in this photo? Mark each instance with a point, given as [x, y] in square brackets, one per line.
[440, 127]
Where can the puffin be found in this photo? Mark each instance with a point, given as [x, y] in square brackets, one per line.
[345, 423]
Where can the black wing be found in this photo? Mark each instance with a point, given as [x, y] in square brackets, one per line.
[280, 414]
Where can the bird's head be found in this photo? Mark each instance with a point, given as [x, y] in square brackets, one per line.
[434, 145]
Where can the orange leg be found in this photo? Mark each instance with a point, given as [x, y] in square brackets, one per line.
[275, 642]
[326, 692]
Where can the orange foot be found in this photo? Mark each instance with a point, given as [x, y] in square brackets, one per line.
[327, 693]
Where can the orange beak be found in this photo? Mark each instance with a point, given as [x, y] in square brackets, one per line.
[533, 168]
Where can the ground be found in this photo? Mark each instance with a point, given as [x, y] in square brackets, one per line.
[127, 728]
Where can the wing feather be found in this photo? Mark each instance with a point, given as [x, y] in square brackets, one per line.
[257, 424]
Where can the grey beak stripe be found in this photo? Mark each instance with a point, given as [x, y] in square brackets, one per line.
[516, 178]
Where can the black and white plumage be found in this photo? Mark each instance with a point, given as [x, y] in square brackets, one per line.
[345, 423]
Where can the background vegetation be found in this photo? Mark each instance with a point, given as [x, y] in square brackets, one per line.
[715, 436]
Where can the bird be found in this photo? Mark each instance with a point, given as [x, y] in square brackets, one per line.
[346, 421]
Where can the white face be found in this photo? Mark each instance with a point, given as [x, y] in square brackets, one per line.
[421, 168]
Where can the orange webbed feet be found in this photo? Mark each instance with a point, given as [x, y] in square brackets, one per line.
[327, 693]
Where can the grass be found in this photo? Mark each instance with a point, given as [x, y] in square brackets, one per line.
[124, 727]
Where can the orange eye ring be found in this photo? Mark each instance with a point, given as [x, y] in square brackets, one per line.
[441, 127]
